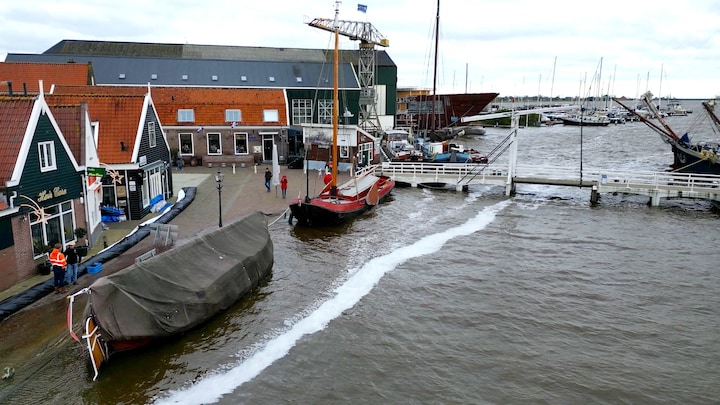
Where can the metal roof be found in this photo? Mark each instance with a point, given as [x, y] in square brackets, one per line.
[120, 70]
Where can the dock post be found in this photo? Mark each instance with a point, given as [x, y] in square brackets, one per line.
[655, 199]
[594, 195]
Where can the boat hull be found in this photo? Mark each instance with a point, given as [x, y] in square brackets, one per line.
[690, 161]
[585, 123]
[325, 210]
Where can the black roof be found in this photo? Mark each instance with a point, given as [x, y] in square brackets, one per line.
[218, 52]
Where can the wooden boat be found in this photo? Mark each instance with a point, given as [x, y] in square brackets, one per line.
[688, 157]
[174, 291]
[337, 204]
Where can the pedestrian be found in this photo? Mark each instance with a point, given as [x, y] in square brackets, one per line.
[268, 176]
[179, 161]
[57, 259]
[283, 185]
[72, 258]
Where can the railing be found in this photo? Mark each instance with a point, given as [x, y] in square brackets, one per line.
[463, 173]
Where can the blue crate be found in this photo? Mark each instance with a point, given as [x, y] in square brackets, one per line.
[94, 268]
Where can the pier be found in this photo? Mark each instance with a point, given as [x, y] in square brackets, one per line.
[461, 176]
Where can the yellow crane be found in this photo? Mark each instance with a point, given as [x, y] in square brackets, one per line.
[369, 37]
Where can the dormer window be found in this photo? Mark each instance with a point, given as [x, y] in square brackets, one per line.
[121, 76]
[184, 77]
[153, 76]
[243, 78]
[271, 78]
[214, 78]
[298, 79]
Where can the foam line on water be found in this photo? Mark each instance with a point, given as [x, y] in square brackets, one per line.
[212, 387]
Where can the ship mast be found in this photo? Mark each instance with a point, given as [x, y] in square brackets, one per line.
[336, 108]
[437, 40]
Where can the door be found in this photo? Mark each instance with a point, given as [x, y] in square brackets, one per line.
[267, 147]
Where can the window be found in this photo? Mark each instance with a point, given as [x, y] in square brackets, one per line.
[301, 111]
[186, 144]
[186, 115]
[241, 144]
[213, 144]
[233, 116]
[46, 154]
[57, 228]
[344, 151]
[151, 134]
[325, 111]
[270, 116]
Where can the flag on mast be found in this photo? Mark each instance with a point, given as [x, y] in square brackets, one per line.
[362, 8]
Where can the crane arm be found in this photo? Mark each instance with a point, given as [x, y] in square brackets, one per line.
[355, 30]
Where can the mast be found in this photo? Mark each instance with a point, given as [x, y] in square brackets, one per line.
[336, 107]
[437, 40]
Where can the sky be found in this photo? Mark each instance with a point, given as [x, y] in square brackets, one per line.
[517, 48]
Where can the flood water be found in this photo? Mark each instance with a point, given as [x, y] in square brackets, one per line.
[444, 297]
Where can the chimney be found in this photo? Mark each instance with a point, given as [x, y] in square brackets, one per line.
[24, 89]
[9, 88]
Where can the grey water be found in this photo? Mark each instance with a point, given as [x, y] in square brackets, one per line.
[470, 297]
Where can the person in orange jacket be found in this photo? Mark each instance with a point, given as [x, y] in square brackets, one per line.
[58, 261]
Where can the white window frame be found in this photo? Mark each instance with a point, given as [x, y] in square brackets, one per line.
[180, 143]
[219, 139]
[325, 111]
[46, 155]
[271, 116]
[152, 141]
[233, 116]
[186, 115]
[242, 137]
[344, 151]
[302, 109]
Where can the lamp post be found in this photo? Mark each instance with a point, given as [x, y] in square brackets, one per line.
[219, 179]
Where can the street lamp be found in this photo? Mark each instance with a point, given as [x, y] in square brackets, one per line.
[219, 179]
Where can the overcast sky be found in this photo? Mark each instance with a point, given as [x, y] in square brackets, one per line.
[513, 47]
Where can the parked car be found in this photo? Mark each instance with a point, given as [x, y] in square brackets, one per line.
[295, 162]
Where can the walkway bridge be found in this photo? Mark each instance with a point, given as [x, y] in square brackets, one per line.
[461, 176]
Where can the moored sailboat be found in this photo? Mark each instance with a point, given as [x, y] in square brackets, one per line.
[337, 204]
[688, 157]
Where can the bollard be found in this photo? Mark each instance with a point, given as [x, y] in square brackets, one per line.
[255, 167]
[104, 241]
[233, 168]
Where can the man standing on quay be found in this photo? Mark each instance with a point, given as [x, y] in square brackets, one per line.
[57, 259]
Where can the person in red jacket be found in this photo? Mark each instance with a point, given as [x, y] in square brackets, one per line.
[283, 185]
[58, 261]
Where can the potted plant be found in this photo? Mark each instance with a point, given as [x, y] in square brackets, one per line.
[80, 233]
[43, 262]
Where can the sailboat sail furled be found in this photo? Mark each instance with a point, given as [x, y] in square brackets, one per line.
[340, 203]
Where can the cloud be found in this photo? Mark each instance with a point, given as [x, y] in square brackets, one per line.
[508, 47]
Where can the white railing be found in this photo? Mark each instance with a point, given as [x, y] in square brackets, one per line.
[467, 172]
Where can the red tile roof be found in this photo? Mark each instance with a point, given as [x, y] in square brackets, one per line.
[69, 119]
[14, 116]
[209, 104]
[118, 120]
[19, 73]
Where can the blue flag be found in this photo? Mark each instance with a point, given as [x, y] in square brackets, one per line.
[362, 7]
